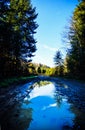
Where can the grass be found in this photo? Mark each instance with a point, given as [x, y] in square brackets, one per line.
[10, 81]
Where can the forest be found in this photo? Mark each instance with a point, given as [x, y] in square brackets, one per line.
[18, 44]
[33, 95]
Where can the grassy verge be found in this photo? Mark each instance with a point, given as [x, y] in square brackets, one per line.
[15, 80]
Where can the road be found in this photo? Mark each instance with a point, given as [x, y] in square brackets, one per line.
[74, 90]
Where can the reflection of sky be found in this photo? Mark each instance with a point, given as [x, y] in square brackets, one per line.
[39, 91]
[47, 114]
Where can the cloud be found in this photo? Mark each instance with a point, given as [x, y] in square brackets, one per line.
[49, 48]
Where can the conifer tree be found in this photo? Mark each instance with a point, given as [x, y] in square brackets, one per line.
[17, 29]
[76, 55]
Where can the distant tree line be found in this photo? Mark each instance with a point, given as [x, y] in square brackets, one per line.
[17, 29]
[41, 69]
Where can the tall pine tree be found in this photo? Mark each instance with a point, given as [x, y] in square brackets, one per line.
[17, 29]
[76, 56]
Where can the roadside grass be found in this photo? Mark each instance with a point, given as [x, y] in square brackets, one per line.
[9, 81]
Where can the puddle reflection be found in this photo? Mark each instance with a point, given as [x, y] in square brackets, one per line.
[43, 109]
[51, 111]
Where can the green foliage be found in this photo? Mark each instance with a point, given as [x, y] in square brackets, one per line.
[58, 58]
[59, 64]
[76, 55]
[17, 29]
[10, 81]
[39, 70]
[40, 83]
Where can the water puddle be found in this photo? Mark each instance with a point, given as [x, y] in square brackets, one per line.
[50, 110]
[44, 108]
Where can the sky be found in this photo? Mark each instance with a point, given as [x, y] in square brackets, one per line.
[53, 17]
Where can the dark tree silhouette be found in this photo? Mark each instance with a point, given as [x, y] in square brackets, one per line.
[76, 55]
[17, 29]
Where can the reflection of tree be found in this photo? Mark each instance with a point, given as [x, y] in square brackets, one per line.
[79, 118]
[40, 83]
[58, 99]
[17, 118]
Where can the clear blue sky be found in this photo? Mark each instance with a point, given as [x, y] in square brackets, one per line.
[53, 16]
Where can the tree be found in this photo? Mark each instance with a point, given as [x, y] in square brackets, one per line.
[59, 63]
[17, 29]
[39, 70]
[76, 55]
[58, 58]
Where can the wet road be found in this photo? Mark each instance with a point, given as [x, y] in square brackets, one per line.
[12, 98]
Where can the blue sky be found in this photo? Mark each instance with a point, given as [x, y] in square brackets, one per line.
[53, 16]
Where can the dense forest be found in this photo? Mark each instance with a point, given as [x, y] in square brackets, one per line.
[76, 55]
[18, 45]
[17, 29]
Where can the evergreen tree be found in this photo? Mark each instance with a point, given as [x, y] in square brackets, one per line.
[58, 60]
[17, 29]
[76, 55]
